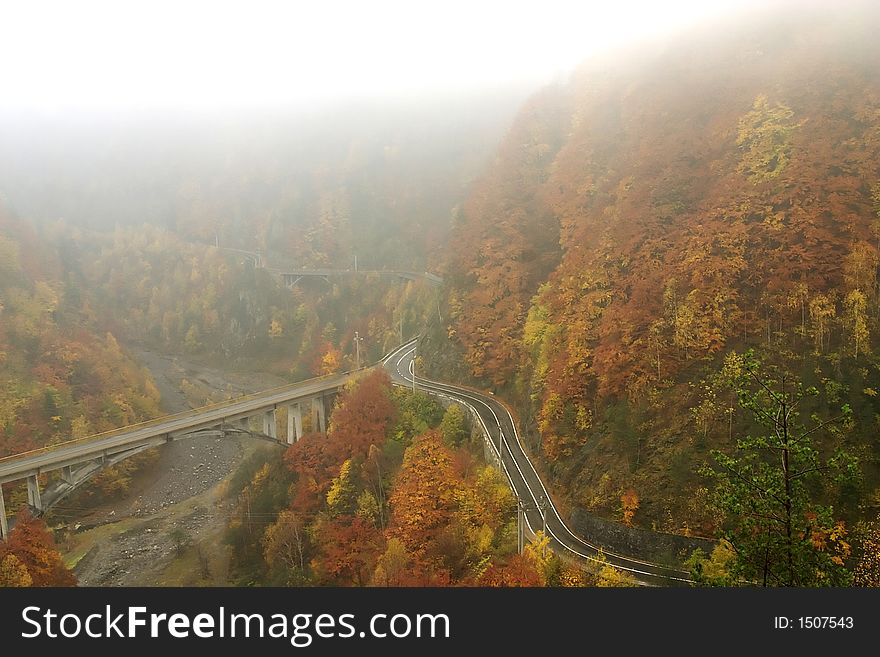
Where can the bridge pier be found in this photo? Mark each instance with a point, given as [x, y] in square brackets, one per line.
[269, 424]
[33, 487]
[294, 423]
[319, 418]
[4, 524]
[256, 415]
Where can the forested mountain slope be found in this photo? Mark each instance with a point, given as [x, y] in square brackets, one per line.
[664, 207]
[61, 375]
[109, 224]
[108, 229]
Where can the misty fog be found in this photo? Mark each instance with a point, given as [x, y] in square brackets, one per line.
[218, 174]
[509, 294]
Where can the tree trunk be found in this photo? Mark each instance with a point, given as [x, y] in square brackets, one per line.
[787, 475]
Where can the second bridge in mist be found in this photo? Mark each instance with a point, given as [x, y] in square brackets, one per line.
[290, 277]
[75, 461]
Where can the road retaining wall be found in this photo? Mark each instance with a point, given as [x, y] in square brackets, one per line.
[668, 549]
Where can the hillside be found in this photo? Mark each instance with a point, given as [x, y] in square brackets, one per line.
[62, 375]
[396, 494]
[108, 227]
[664, 207]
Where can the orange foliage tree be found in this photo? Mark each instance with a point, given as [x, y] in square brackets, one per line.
[629, 503]
[519, 570]
[424, 497]
[32, 546]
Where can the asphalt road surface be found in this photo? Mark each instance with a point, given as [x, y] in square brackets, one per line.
[530, 491]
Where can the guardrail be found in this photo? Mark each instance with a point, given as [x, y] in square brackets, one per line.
[193, 412]
[182, 415]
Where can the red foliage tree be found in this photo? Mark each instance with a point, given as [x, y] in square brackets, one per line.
[33, 545]
[517, 571]
[348, 547]
[314, 465]
[361, 419]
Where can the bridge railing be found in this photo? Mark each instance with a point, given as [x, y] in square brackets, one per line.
[182, 415]
[293, 273]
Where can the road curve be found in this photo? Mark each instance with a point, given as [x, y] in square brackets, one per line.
[531, 492]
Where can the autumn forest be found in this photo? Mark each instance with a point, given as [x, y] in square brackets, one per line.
[665, 265]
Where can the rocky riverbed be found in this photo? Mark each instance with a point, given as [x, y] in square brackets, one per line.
[166, 529]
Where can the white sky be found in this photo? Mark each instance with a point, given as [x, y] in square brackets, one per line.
[211, 54]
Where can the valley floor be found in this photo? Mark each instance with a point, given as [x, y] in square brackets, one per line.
[130, 541]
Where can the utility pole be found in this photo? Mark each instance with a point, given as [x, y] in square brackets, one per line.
[542, 507]
[520, 527]
[357, 348]
[355, 262]
[248, 497]
[401, 324]
[521, 508]
[414, 368]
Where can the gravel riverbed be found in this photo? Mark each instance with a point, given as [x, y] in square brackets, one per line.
[180, 490]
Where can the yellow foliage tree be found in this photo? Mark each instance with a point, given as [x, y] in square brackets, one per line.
[341, 495]
[283, 545]
[610, 577]
[331, 361]
[391, 567]
[822, 311]
[857, 318]
[867, 571]
[765, 137]
[13, 573]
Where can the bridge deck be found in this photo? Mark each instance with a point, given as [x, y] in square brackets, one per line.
[411, 275]
[19, 466]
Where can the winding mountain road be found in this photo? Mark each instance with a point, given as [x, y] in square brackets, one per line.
[535, 501]
[530, 491]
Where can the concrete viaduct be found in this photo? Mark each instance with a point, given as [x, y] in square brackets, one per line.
[76, 460]
[292, 276]
[290, 279]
